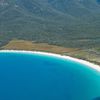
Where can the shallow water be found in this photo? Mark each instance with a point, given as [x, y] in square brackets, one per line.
[40, 77]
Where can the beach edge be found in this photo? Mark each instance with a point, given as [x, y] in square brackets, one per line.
[81, 61]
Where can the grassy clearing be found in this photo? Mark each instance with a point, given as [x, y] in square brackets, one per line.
[44, 47]
[29, 45]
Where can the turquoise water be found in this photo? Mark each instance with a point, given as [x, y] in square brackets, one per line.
[40, 77]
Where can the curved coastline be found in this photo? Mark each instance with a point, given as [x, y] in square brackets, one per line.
[89, 64]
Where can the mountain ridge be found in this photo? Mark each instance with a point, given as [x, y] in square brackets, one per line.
[51, 21]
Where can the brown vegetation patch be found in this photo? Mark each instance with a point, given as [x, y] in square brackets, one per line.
[29, 45]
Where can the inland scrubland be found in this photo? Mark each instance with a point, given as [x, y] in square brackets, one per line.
[69, 27]
[92, 55]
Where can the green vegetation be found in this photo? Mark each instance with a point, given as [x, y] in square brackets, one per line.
[90, 55]
[66, 23]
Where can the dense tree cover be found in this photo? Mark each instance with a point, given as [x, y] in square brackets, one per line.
[70, 23]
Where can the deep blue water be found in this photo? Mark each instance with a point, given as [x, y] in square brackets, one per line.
[38, 77]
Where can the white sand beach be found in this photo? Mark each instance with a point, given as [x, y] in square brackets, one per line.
[89, 64]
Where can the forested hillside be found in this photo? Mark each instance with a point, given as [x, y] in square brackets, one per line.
[69, 23]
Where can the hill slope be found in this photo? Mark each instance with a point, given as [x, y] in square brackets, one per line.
[70, 23]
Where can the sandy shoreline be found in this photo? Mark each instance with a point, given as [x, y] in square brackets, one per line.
[89, 64]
